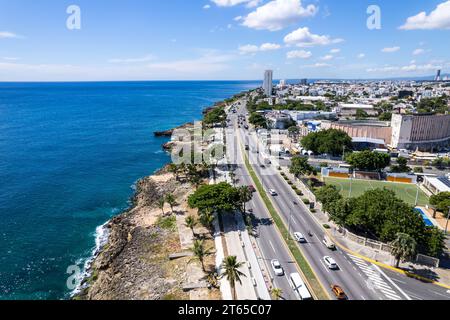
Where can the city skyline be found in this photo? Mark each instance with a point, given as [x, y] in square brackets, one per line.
[222, 40]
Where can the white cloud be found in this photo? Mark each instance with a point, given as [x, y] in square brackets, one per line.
[412, 67]
[232, 3]
[8, 35]
[361, 56]
[269, 46]
[132, 60]
[302, 37]
[278, 14]
[238, 18]
[334, 51]
[328, 57]
[249, 48]
[206, 6]
[418, 52]
[439, 18]
[390, 49]
[299, 54]
[10, 58]
[318, 65]
[252, 49]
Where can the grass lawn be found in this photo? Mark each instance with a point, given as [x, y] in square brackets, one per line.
[406, 192]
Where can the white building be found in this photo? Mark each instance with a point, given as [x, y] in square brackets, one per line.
[268, 83]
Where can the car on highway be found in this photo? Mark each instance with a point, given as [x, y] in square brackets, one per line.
[331, 263]
[328, 243]
[339, 292]
[277, 268]
[299, 237]
[273, 192]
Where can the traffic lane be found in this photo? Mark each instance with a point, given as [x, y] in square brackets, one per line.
[417, 289]
[362, 284]
[285, 203]
[270, 244]
[268, 239]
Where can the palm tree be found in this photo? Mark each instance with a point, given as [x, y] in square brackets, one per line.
[170, 199]
[161, 202]
[200, 252]
[245, 195]
[231, 266]
[191, 223]
[207, 219]
[403, 247]
[276, 293]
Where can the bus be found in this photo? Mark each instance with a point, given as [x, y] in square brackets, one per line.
[299, 287]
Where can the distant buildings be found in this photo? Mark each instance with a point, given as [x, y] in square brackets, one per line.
[268, 83]
[437, 185]
[351, 109]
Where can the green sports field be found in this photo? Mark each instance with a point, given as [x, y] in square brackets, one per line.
[406, 192]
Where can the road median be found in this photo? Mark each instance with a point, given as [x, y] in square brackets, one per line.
[313, 282]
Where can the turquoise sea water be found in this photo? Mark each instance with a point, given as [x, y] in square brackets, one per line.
[69, 156]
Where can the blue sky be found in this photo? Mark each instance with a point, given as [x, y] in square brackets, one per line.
[221, 39]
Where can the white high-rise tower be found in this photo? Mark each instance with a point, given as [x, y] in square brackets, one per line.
[268, 83]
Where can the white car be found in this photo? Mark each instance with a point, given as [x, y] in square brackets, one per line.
[273, 192]
[277, 268]
[299, 237]
[331, 264]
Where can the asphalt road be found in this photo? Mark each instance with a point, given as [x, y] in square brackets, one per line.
[360, 280]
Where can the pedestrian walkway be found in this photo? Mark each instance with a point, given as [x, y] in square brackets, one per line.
[375, 279]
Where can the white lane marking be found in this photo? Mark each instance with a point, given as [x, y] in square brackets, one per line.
[392, 282]
[392, 297]
[439, 294]
[326, 268]
[273, 248]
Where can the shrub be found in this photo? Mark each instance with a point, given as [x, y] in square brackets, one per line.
[326, 226]
[299, 192]
[306, 201]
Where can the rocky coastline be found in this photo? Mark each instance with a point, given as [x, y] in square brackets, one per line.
[134, 264]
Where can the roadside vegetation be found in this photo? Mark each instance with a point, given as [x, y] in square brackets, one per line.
[378, 214]
[333, 142]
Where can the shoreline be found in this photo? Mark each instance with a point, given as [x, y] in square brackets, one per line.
[104, 232]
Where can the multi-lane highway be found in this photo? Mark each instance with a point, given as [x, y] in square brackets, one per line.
[360, 280]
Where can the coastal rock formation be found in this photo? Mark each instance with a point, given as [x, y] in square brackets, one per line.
[168, 133]
[135, 264]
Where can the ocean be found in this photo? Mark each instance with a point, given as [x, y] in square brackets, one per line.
[70, 154]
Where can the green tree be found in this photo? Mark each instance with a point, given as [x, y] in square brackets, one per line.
[385, 116]
[231, 267]
[220, 197]
[207, 219]
[215, 116]
[361, 114]
[331, 141]
[403, 248]
[191, 223]
[161, 203]
[245, 195]
[293, 131]
[441, 201]
[258, 120]
[200, 252]
[368, 160]
[435, 242]
[328, 195]
[171, 201]
[276, 293]
[300, 167]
